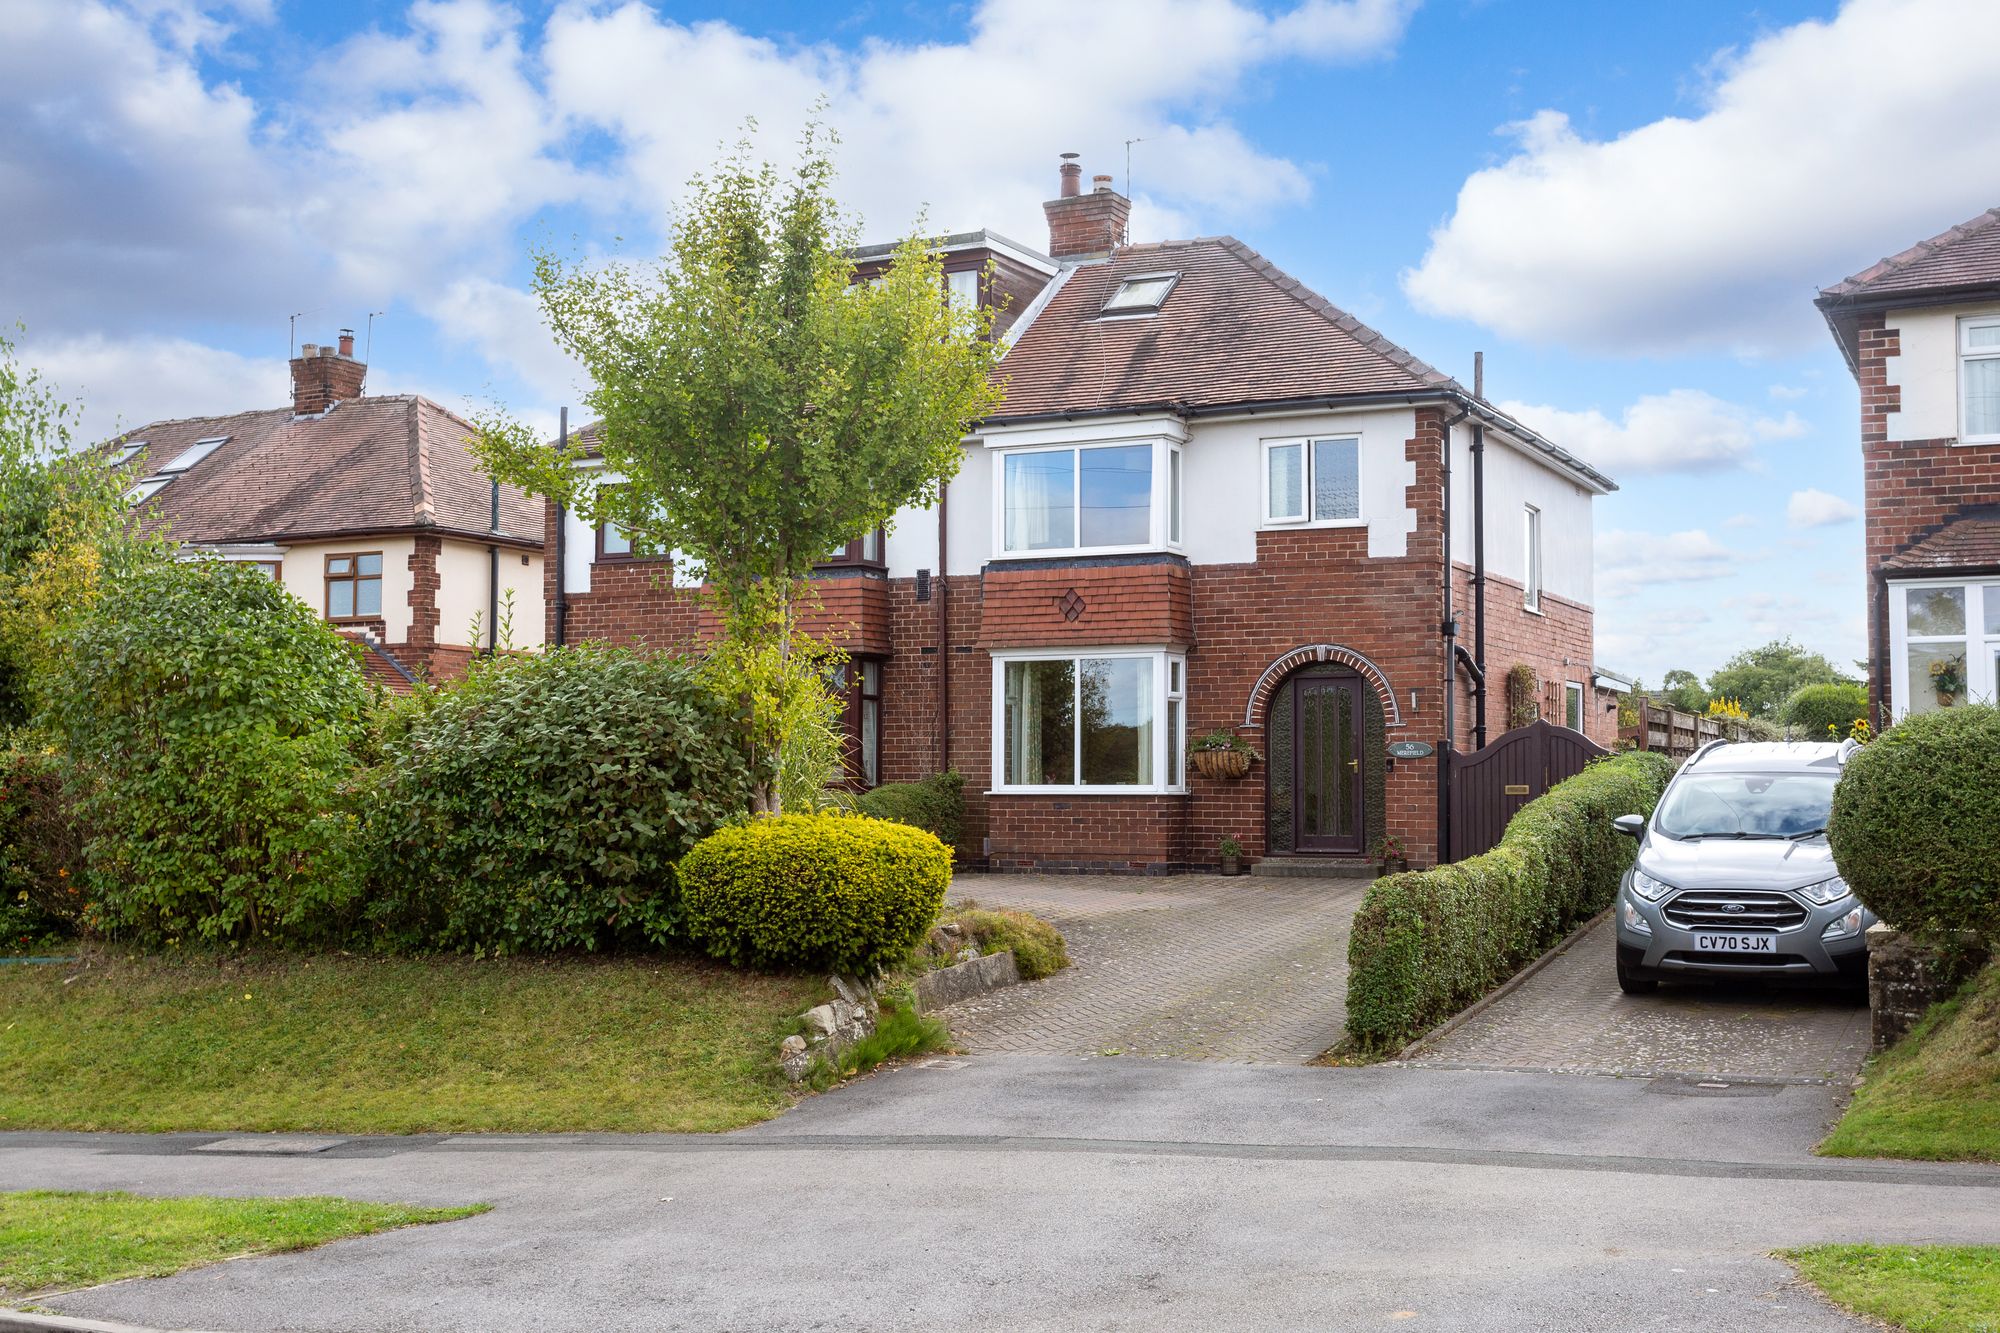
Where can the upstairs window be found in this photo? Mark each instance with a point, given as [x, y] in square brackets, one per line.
[1979, 380]
[961, 288]
[1141, 294]
[1088, 498]
[354, 586]
[194, 453]
[1312, 481]
[861, 551]
[1532, 578]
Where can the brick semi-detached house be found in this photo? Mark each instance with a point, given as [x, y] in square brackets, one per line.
[1210, 501]
[1921, 332]
[371, 510]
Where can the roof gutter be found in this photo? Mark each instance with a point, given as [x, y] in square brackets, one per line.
[408, 530]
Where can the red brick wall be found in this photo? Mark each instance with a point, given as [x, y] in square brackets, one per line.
[1556, 643]
[1909, 487]
[1133, 603]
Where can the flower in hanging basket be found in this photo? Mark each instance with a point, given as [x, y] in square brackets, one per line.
[1221, 755]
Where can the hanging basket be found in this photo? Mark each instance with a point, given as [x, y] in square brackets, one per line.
[1228, 764]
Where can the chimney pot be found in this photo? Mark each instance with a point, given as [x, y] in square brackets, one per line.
[1101, 184]
[347, 342]
[1072, 176]
[308, 349]
[323, 375]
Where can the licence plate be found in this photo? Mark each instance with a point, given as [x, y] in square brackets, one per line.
[1725, 943]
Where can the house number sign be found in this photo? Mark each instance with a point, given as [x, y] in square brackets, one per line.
[1410, 749]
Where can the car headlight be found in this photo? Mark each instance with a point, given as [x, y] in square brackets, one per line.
[1652, 890]
[1826, 891]
[1844, 926]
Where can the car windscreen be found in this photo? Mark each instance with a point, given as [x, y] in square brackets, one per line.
[1745, 805]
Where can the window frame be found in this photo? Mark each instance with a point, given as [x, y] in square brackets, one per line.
[356, 577]
[1137, 310]
[1532, 577]
[1164, 767]
[1573, 691]
[1966, 324]
[855, 553]
[1164, 531]
[201, 450]
[1305, 443]
[854, 712]
[1982, 673]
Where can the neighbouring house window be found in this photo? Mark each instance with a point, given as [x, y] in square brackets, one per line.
[614, 542]
[861, 551]
[961, 289]
[146, 489]
[858, 683]
[1312, 481]
[354, 586]
[1573, 705]
[1141, 294]
[1979, 379]
[1087, 498]
[1944, 644]
[1532, 565]
[274, 570]
[1090, 721]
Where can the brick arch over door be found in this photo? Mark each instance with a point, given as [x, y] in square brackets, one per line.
[1274, 676]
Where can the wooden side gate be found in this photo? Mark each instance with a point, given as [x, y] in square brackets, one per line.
[1488, 786]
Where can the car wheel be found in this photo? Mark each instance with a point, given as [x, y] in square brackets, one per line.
[1635, 982]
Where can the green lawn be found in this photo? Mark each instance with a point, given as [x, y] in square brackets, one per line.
[1936, 1093]
[392, 1046]
[1923, 1288]
[55, 1241]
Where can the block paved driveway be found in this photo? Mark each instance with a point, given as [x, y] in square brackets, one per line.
[1192, 967]
[1571, 1018]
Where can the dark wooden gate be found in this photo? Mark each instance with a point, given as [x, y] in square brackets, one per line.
[1489, 785]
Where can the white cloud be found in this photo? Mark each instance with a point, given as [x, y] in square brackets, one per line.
[1815, 508]
[1788, 393]
[121, 384]
[1628, 561]
[1818, 149]
[1684, 430]
[506, 325]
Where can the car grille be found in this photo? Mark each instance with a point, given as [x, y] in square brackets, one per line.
[1700, 909]
[1713, 958]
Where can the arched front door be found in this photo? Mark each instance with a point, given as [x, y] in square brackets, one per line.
[1328, 794]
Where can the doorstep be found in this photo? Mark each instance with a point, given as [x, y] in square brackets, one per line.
[1314, 867]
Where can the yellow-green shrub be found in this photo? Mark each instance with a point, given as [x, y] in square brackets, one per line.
[830, 890]
[1427, 943]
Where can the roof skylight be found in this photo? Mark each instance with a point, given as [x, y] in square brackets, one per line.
[146, 489]
[1141, 294]
[128, 451]
[194, 453]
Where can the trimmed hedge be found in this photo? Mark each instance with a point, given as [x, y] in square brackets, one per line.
[838, 891]
[1825, 712]
[936, 803]
[1915, 819]
[1428, 943]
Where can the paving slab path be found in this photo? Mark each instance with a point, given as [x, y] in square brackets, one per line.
[1191, 967]
[1570, 1017]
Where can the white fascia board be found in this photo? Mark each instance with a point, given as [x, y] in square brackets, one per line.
[1097, 430]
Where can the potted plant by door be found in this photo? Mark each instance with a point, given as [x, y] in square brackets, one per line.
[1390, 856]
[1230, 853]
[1220, 755]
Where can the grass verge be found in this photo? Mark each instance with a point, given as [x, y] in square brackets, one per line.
[1935, 1095]
[1923, 1288]
[392, 1045]
[58, 1241]
[900, 1032]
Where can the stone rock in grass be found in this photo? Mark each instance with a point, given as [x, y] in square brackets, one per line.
[821, 1021]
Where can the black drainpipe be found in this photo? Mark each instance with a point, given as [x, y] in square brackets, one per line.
[493, 581]
[1448, 629]
[562, 522]
[1479, 559]
[939, 590]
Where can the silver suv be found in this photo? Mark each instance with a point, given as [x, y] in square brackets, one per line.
[1734, 877]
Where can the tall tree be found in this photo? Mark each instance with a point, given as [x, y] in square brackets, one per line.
[1683, 690]
[1761, 679]
[761, 408]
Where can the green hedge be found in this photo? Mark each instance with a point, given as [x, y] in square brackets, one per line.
[838, 891]
[1825, 712]
[936, 803]
[1427, 943]
[1915, 819]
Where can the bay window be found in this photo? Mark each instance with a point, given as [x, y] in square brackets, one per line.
[1108, 720]
[858, 685]
[1066, 499]
[1979, 380]
[1312, 481]
[1944, 643]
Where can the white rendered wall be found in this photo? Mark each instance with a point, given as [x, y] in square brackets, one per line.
[304, 572]
[464, 573]
[1515, 480]
[1927, 371]
[580, 547]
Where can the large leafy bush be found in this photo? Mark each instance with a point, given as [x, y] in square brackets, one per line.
[838, 891]
[1916, 823]
[1427, 943]
[935, 803]
[207, 716]
[41, 842]
[542, 802]
[1825, 712]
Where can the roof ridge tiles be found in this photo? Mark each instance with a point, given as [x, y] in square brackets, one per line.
[424, 509]
[1889, 265]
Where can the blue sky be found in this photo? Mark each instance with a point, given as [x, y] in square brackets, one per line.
[1627, 207]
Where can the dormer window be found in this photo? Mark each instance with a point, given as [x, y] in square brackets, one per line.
[194, 453]
[1141, 294]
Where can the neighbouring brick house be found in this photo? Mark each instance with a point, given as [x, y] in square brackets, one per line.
[1921, 332]
[372, 511]
[1210, 501]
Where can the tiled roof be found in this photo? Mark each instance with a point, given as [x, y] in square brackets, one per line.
[1969, 541]
[387, 464]
[1968, 255]
[1235, 329]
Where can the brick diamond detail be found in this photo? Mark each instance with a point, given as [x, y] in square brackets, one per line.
[1070, 604]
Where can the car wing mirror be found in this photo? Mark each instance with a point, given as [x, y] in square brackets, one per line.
[1632, 826]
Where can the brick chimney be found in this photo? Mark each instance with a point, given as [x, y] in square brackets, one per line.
[1084, 225]
[323, 376]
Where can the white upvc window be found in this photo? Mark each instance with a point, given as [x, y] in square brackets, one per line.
[1313, 482]
[1531, 582]
[1099, 499]
[1979, 380]
[961, 289]
[1573, 705]
[1109, 721]
[1944, 643]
